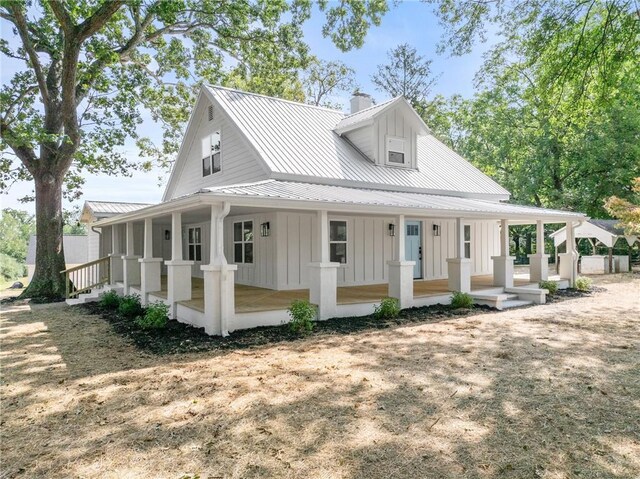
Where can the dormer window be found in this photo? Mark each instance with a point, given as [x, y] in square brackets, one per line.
[395, 151]
[211, 154]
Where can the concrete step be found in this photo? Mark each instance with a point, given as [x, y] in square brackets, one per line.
[514, 303]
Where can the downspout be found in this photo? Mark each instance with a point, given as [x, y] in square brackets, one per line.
[99, 233]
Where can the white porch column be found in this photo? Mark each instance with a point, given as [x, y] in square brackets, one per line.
[400, 270]
[178, 270]
[219, 278]
[459, 267]
[117, 274]
[323, 273]
[503, 264]
[149, 266]
[539, 262]
[130, 265]
[569, 260]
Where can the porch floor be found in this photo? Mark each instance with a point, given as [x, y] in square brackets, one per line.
[250, 299]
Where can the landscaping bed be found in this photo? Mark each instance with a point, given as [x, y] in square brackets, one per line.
[179, 338]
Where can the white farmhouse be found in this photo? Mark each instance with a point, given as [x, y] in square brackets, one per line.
[271, 200]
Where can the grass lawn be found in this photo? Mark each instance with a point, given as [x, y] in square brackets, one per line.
[545, 392]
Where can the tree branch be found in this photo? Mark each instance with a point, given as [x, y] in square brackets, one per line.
[24, 152]
[96, 21]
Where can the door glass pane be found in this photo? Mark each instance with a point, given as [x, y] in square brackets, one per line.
[198, 252]
[248, 230]
[237, 253]
[338, 231]
[191, 256]
[237, 231]
[248, 252]
[467, 250]
[196, 235]
[467, 232]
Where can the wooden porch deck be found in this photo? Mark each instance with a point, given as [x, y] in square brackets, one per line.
[250, 299]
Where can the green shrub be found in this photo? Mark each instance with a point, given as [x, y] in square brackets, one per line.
[461, 300]
[388, 308]
[10, 268]
[551, 286]
[302, 315]
[109, 300]
[155, 316]
[583, 284]
[130, 306]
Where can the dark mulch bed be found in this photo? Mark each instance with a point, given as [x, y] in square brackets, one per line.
[564, 294]
[40, 300]
[179, 338]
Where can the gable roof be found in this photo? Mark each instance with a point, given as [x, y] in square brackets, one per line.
[368, 115]
[297, 142]
[93, 210]
[605, 231]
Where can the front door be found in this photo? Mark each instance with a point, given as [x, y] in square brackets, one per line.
[413, 246]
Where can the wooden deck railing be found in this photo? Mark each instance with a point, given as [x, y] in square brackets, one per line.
[83, 278]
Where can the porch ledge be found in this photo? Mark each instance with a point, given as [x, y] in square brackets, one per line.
[179, 262]
[150, 260]
[401, 263]
[538, 255]
[502, 257]
[325, 265]
[460, 260]
[124, 256]
[219, 267]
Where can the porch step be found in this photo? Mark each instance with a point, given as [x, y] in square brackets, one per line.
[94, 295]
[514, 303]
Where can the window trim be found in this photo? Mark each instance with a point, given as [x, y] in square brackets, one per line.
[345, 241]
[387, 150]
[244, 242]
[466, 241]
[210, 160]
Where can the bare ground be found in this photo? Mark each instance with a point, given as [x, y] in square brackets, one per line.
[544, 392]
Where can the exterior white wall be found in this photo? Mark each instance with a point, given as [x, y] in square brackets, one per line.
[362, 138]
[393, 123]
[239, 164]
[93, 245]
[262, 272]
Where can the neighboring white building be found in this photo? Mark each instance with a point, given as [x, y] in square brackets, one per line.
[75, 252]
[274, 199]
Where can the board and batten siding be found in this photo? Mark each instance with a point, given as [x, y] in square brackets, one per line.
[239, 163]
[393, 123]
[262, 272]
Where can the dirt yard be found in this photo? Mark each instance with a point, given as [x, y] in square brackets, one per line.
[545, 392]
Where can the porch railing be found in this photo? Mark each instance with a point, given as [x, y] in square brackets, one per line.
[83, 278]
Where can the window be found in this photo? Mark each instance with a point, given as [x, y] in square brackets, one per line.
[194, 241]
[211, 154]
[338, 242]
[467, 241]
[243, 242]
[395, 151]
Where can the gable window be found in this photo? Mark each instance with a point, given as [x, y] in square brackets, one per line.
[467, 241]
[243, 242]
[338, 242]
[211, 154]
[395, 151]
[194, 241]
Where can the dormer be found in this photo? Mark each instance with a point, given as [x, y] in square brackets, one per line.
[386, 133]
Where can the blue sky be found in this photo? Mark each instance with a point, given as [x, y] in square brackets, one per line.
[409, 22]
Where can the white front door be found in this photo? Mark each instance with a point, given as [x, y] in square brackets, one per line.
[413, 246]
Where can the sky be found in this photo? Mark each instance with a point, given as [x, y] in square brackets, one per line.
[409, 22]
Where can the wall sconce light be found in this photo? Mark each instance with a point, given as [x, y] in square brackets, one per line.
[392, 229]
[436, 230]
[167, 234]
[265, 229]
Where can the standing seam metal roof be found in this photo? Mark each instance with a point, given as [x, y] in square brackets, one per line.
[298, 140]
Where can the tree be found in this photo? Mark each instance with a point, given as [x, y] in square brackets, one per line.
[627, 212]
[407, 74]
[322, 80]
[16, 226]
[92, 68]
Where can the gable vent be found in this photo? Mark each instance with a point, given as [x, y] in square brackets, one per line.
[210, 112]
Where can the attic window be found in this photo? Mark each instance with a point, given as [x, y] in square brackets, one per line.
[395, 151]
[211, 154]
[210, 112]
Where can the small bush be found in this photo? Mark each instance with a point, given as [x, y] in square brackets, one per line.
[155, 316]
[109, 300]
[583, 284]
[551, 286]
[302, 315]
[10, 268]
[461, 300]
[388, 308]
[130, 306]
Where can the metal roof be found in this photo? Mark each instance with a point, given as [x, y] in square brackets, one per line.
[340, 195]
[297, 142]
[75, 249]
[365, 115]
[605, 231]
[104, 209]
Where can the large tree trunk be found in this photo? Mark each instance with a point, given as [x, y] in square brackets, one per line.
[47, 282]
